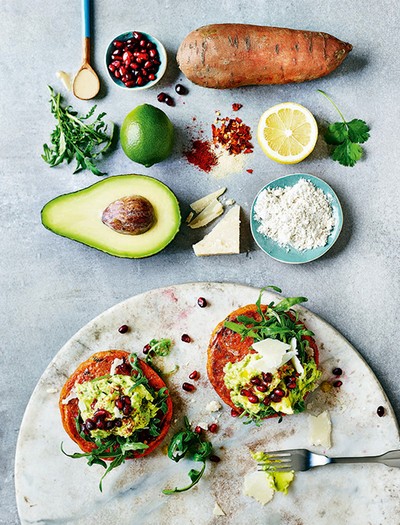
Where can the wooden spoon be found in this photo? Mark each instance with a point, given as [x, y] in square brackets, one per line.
[86, 82]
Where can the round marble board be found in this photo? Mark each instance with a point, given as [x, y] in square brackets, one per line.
[52, 488]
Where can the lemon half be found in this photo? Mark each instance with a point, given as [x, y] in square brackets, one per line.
[287, 133]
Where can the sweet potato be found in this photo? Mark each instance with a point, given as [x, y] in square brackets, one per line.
[231, 55]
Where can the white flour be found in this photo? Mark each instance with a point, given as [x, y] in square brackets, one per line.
[299, 216]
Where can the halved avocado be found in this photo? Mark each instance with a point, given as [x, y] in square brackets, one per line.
[125, 215]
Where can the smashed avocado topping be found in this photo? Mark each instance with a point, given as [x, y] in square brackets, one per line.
[120, 414]
[261, 392]
[103, 393]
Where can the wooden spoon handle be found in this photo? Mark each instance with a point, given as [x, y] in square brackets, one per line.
[86, 30]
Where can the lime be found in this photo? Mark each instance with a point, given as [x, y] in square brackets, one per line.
[147, 135]
[287, 133]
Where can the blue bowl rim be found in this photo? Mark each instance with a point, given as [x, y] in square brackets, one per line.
[331, 240]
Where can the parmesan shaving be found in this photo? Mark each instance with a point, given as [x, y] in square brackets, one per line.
[199, 205]
[211, 212]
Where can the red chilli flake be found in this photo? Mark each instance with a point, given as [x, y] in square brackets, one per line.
[249, 171]
[233, 135]
[201, 155]
[236, 107]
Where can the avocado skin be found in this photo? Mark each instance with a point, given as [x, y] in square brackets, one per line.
[65, 215]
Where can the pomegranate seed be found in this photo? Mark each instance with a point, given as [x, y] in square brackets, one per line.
[127, 410]
[143, 43]
[93, 404]
[123, 329]
[146, 349]
[126, 400]
[198, 430]
[262, 388]
[119, 403]
[143, 56]
[380, 411]
[213, 428]
[266, 401]
[169, 101]
[139, 81]
[134, 66]
[100, 424]
[244, 392]
[278, 392]
[194, 375]
[161, 97]
[137, 36]
[122, 71]
[153, 53]
[181, 90]
[150, 45]
[111, 67]
[186, 338]
[234, 413]
[214, 458]
[201, 302]
[117, 74]
[90, 424]
[118, 43]
[148, 64]
[188, 387]
[267, 377]
[337, 371]
[253, 398]
[337, 384]
[127, 56]
[116, 63]
[152, 76]
[130, 83]
[255, 381]
[100, 414]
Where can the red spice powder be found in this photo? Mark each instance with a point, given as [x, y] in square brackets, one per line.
[201, 155]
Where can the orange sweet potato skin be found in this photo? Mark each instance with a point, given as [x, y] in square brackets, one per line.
[226, 56]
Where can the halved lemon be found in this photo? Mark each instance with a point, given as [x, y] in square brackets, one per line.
[287, 133]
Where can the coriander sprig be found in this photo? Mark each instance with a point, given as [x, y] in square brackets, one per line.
[74, 137]
[346, 137]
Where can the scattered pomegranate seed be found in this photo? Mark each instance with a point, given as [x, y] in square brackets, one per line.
[214, 458]
[169, 101]
[188, 387]
[380, 411]
[255, 381]
[337, 371]
[198, 430]
[201, 302]
[161, 97]
[236, 107]
[186, 338]
[119, 403]
[123, 329]
[245, 392]
[181, 90]
[234, 413]
[337, 383]
[262, 388]
[146, 349]
[249, 171]
[194, 375]
[213, 428]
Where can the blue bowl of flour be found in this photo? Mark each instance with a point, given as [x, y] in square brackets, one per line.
[287, 253]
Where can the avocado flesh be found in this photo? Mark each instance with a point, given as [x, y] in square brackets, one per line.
[78, 216]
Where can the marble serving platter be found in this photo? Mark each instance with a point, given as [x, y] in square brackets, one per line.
[52, 488]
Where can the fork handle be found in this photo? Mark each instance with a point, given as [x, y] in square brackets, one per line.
[390, 459]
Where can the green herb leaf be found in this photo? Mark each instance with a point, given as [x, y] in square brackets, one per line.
[75, 138]
[187, 443]
[346, 138]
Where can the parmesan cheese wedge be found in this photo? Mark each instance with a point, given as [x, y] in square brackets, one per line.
[211, 212]
[199, 205]
[224, 238]
[320, 430]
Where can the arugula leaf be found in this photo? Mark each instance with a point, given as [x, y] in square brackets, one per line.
[188, 443]
[75, 138]
[346, 137]
[158, 348]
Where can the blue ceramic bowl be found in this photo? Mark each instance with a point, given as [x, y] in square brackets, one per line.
[288, 254]
[161, 51]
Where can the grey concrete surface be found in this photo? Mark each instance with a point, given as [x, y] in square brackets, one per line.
[50, 286]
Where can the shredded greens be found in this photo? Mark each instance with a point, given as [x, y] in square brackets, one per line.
[187, 443]
[75, 137]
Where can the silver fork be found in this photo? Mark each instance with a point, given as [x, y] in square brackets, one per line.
[301, 459]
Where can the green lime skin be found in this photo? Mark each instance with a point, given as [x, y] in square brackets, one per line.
[147, 135]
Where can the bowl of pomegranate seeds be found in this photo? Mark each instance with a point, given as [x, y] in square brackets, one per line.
[135, 60]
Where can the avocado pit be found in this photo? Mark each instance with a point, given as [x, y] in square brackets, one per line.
[132, 215]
